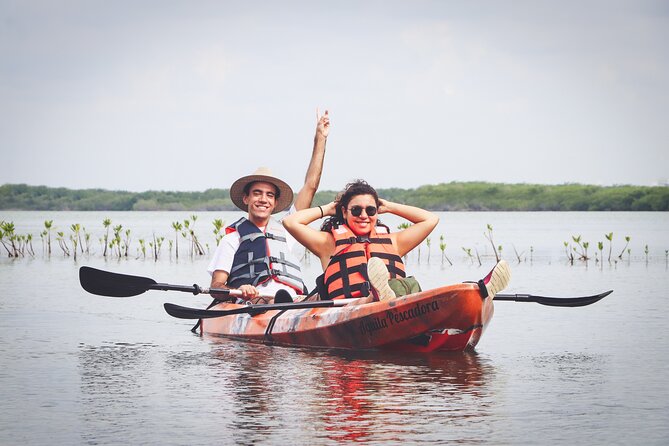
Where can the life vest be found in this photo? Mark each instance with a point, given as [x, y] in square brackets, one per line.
[263, 256]
[346, 274]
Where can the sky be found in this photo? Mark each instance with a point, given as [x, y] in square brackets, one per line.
[182, 95]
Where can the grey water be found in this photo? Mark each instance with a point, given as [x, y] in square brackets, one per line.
[84, 369]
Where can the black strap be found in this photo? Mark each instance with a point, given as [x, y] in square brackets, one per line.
[270, 326]
[213, 302]
[363, 239]
[362, 287]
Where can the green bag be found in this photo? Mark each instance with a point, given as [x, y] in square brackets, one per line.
[404, 285]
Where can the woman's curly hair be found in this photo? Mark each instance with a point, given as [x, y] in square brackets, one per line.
[353, 189]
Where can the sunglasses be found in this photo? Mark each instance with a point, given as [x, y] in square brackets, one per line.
[356, 211]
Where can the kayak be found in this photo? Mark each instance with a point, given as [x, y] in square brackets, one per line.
[449, 318]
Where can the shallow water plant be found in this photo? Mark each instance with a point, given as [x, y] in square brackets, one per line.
[60, 238]
[177, 228]
[218, 229]
[488, 235]
[609, 237]
[627, 242]
[48, 224]
[583, 247]
[468, 251]
[106, 223]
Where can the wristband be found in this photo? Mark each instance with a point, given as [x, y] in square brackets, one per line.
[322, 215]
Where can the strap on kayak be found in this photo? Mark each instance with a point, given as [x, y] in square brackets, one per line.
[270, 326]
[483, 290]
[213, 302]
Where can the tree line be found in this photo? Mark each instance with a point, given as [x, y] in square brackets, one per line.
[454, 196]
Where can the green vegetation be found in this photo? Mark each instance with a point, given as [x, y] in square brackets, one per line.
[440, 197]
[42, 198]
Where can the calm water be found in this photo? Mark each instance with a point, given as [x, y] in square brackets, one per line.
[83, 369]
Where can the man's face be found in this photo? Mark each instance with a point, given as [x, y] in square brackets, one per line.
[261, 201]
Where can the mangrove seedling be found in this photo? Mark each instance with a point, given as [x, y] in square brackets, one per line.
[116, 241]
[126, 243]
[76, 233]
[2, 238]
[609, 237]
[8, 229]
[468, 251]
[442, 247]
[218, 229]
[177, 228]
[627, 242]
[60, 238]
[106, 223]
[73, 239]
[645, 251]
[488, 235]
[583, 252]
[29, 245]
[48, 224]
[195, 246]
[568, 252]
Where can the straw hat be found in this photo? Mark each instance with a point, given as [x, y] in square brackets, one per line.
[285, 193]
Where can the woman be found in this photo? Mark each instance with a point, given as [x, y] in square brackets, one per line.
[353, 249]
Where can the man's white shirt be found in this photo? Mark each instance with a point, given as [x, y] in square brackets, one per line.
[225, 253]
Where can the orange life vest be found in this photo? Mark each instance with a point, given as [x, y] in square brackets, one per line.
[346, 274]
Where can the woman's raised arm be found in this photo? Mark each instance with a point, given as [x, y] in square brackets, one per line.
[319, 242]
[423, 223]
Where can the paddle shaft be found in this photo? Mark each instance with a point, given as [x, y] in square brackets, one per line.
[196, 313]
[196, 289]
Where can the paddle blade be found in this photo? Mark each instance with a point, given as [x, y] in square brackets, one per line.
[104, 283]
[193, 313]
[553, 301]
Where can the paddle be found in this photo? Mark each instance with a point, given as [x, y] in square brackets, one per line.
[105, 283]
[553, 301]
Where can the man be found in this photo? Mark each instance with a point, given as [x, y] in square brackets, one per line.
[257, 255]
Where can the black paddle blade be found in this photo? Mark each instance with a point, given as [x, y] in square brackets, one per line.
[104, 283]
[553, 301]
[195, 313]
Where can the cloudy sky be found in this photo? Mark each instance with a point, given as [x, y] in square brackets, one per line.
[181, 95]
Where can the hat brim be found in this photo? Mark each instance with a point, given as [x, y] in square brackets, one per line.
[283, 201]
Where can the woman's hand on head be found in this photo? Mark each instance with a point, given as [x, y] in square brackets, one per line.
[329, 209]
[384, 206]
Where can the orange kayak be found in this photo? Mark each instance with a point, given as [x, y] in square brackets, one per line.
[447, 318]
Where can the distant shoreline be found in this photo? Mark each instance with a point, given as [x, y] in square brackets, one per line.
[455, 196]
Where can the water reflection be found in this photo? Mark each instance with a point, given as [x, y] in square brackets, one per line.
[351, 396]
[391, 397]
[112, 387]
